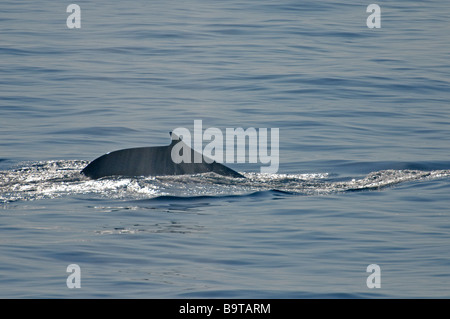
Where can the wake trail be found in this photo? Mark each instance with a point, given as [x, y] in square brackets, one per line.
[55, 179]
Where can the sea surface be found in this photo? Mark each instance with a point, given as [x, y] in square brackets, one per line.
[364, 149]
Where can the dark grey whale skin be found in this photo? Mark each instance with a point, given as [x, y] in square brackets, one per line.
[151, 161]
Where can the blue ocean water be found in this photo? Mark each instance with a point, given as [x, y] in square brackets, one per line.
[364, 124]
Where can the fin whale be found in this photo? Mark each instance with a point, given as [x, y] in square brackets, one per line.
[151, 161]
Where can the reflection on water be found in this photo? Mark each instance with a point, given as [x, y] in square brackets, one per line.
[168, 227]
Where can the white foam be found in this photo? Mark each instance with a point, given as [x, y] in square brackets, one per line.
[55, 179]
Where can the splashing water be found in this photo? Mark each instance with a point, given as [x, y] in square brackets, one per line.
[53, 179]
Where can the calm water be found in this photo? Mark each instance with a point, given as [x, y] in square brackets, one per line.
[364, 121]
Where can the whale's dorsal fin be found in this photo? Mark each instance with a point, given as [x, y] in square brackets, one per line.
[152, 161]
